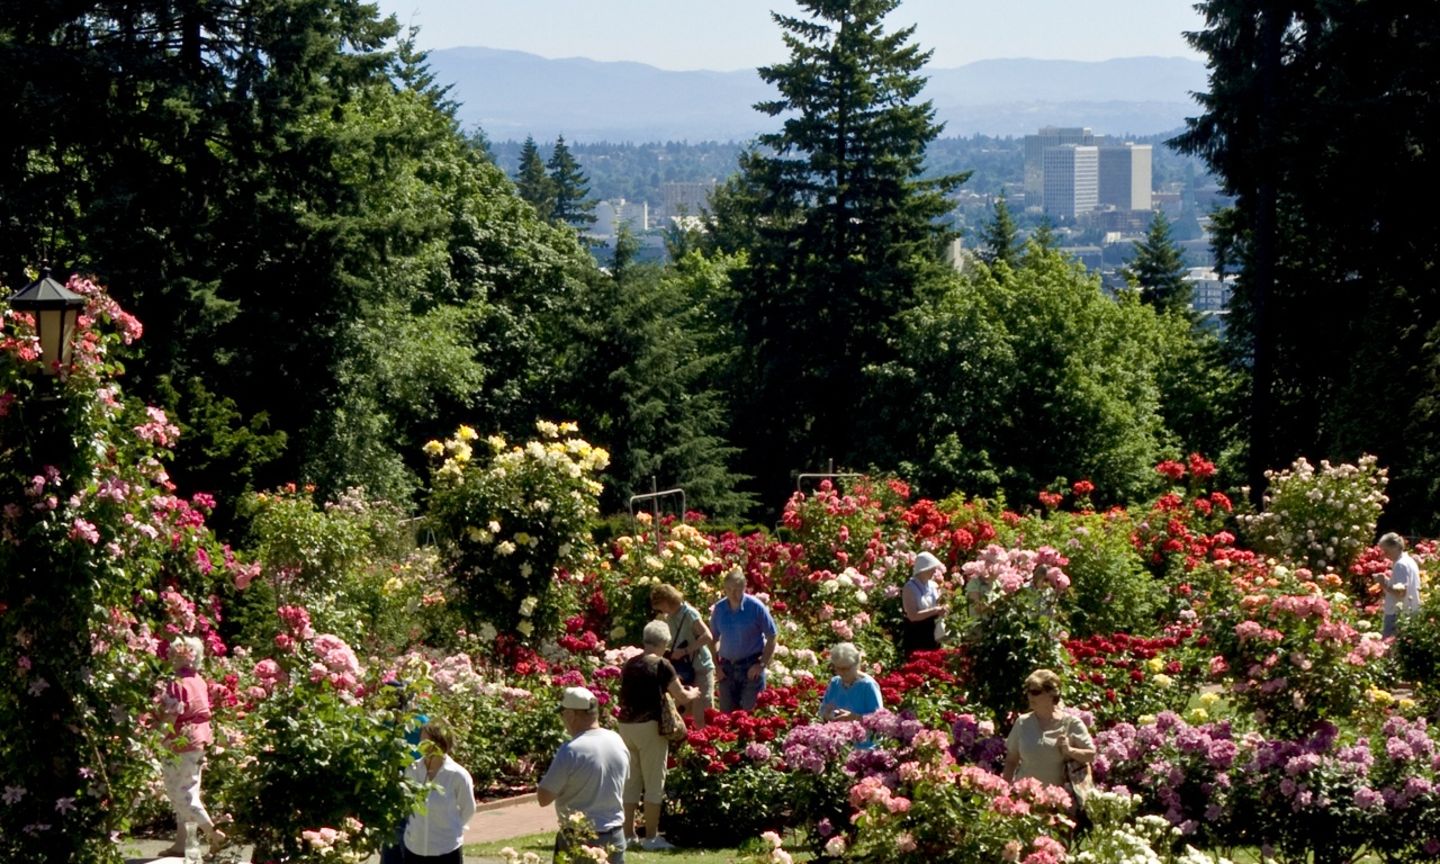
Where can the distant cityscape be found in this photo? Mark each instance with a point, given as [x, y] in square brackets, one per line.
[1097, 193]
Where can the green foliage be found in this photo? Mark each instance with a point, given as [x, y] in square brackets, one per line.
[1000, 238]
[1417, 645]
[1158, 269]
[320, 760]
[1012, 378]
[840, 228]
[1296, 91]
[649, 356]
[350, 561]
[531, 181]
[704, 809]
[569, 186]
[1111, 591]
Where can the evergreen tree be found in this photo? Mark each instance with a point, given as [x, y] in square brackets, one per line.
[999, 236]
[570, 186]
[532, 183]
[646, 380]
[1332, 315]
[1158, 269]
[1043, 237]
[842, 232]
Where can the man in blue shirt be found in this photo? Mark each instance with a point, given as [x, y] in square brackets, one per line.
[744, 643]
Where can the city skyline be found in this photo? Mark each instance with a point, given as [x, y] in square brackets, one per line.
[739, 34]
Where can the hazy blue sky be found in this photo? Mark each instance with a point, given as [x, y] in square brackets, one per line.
[735, 34]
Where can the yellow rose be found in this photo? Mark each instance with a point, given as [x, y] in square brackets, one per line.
[465, 433]
[1155, 664]
[433, 448]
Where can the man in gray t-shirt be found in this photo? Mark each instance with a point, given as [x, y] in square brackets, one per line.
[588, 774]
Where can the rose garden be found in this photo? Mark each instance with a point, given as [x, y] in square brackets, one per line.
[1227, 660]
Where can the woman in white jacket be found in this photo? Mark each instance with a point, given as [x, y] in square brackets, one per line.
[436, 833]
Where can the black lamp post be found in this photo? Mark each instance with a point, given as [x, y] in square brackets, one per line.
[56, 309]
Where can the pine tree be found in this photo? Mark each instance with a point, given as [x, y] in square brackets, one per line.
[532, 183]
[571, 188]
[845, 233]
[1158, 269]
[999, 236]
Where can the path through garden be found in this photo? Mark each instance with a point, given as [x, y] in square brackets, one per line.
[502, 819]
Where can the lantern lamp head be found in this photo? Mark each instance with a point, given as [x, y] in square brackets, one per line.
[57, 311]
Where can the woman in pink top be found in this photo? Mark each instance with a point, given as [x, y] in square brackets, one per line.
[187, 706]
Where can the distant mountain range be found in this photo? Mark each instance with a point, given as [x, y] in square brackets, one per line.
[511, 94]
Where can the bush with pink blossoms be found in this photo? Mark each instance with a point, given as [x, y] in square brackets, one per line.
[1293, 654]
[935, 810]
[92, 534]
[1015, 627]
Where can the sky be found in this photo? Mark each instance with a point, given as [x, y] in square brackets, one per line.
[725, 35]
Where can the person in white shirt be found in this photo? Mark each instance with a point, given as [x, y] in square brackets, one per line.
[587, 777]
[436, 833]
[1402, 584]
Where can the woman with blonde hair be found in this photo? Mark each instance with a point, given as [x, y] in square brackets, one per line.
[1045, 738]
[690, 641]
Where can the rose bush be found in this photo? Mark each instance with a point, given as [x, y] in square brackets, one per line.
[512, 519]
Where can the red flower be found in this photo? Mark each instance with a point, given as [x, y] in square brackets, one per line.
[1083, 487]
[1171, 470]
[1200, 467]
[1051, 499]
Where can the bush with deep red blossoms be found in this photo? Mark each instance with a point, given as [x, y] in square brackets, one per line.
[1120, 677]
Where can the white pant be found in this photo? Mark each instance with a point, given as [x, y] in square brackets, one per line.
[182, 786]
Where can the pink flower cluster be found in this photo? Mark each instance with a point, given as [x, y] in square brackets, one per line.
[872, 790]
[337, 665]
[1014, 569]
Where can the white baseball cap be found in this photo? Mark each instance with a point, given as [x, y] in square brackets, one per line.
[579, 699]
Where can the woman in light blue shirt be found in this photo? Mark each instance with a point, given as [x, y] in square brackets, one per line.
[852, 694]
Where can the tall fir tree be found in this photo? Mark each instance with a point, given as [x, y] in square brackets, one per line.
[531, 181]
[842, 233]
[570, 186]
[1158, 269]
[1298, 92]
[999, 236]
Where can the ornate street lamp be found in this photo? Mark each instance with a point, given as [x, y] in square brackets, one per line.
[56, 310]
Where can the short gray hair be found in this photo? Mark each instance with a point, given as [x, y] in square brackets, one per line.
[189, 646]
[1392, 541]
[845, 653]
[656, 635]
[735, 575]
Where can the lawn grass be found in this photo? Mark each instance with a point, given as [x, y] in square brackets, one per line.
[542, 844]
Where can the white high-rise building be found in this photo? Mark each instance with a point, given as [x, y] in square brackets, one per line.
[1072, 180]
[1035, 147]
[1125, 176]
[610, 216]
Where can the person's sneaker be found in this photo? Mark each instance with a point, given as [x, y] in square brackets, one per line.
[658, 843]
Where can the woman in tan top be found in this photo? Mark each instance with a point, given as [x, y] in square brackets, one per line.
[1042, 741]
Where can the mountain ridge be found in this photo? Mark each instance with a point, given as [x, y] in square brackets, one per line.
[511, 94]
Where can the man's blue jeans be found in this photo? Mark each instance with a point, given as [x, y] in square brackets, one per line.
[737, 689]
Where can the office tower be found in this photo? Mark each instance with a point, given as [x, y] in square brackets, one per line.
[1125, 176]
[1072, 180]
[1035, 147]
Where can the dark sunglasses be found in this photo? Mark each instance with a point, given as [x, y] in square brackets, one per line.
[1036, 692]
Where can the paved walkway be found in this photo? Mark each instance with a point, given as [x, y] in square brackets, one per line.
[493, 821]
